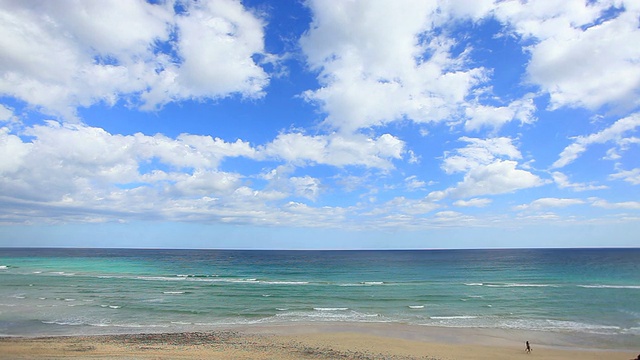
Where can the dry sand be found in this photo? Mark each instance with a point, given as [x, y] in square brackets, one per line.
[334, 341]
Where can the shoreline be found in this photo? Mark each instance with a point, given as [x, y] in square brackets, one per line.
[316, 341]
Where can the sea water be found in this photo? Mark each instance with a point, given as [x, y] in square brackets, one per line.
[97, 291]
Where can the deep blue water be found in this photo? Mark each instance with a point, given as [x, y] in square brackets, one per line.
[71, 291]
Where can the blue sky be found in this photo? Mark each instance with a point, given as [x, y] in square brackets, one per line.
[320, 124]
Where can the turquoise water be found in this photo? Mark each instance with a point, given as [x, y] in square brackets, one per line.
[80, 291]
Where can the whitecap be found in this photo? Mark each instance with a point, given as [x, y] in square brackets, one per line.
[610, 286]
[4, 267]
[416, 306]
[330, 309]
[519, 285]
[173, 292]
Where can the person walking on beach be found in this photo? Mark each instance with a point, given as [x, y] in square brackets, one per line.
[528, 348]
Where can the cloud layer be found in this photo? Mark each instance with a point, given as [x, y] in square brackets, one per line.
[423, 113]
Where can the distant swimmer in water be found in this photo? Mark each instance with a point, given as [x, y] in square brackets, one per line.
[528, 348]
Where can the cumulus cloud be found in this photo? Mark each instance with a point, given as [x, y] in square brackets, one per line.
[87, 170]
[489, 169]
[381, 62]
[336, 149]
[62, 55]
[481, 116]
[614, 132]
[479, 152]
[574, 41]
[499, 177]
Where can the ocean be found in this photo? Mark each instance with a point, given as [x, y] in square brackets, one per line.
[106, 291]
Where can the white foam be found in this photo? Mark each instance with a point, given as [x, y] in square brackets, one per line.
[285, 282]
[244, 281]
[632, 331]
[519, 285]
[3, 267]
[453, 317]
[173, 292]
[330, 309]
[60, 322]
[474, 284]
[416, 306]
[111, 306]
[159, 278]
[610, 286]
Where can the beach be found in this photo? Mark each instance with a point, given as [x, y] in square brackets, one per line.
[313, 341]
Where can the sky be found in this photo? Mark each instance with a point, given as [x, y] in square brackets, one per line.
[319, 124]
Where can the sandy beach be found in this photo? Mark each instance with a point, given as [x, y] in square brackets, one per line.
[330, 341]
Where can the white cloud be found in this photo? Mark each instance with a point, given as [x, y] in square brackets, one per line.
[306, 186]
[481, 116]
[402, 205]
[6, 113]
[544, 203]
[489, 169]
[13, 152]
[413, 183]
[479, 152]
[563, 182]
[475, 202]
[631, 176]
[615, 153]
[374, 67]
[336, 149]
[499, 177]
[574, 41]
[613, 133]
[629, 205]
[90, 173]
[61, 55]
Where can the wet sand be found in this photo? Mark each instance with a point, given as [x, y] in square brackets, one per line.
[324, 341]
